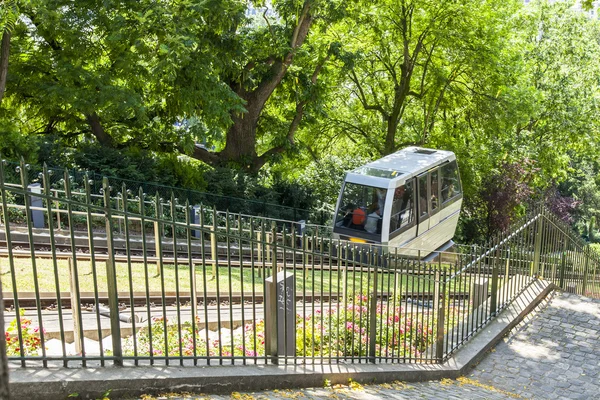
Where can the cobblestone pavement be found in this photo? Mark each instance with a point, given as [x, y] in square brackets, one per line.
[553, 354]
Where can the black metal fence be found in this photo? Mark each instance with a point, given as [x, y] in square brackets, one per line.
[255, 207]
[92, 277]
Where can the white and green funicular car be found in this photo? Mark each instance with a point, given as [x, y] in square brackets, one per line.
[409, 200]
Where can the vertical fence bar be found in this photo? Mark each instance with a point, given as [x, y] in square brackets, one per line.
[253, 339]
[494, 294]
[28, 216]
[126, 229]
[204, 285]
[213, 245]
[160, 270]
[157, 234]
[538, 241]
[173, 203]
[218, 287]
[46, 184]
[91, 244]
[229, 281]
[111, 278]
[439, 297]
[373, 314]
[142, 211]
[4, 389]
[563, 265]
[242, 299]
[192, 271]
[585, 270]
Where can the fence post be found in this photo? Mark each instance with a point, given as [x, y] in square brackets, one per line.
[494, 296]
[373, 311]
[563, 266]
[440, 308]
[4, 392]
[585, 270]
[213, 245]
[538, 241]
[111, 279]
[157, 238]
[274, 264]
[57, 205]
[259, 252]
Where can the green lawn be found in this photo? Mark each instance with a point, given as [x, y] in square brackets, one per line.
[319, 281]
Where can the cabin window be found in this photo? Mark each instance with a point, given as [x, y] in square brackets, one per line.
[361, 208]
[423, 200]
[435, 203]
[450, 182]
[402, 207]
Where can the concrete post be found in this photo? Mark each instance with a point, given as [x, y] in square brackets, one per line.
[195, 219]
[76, 308]
[37, 216]
[280, 316]
[479, 292]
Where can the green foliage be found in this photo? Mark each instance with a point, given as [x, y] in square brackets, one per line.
[124, 88]
[15, 215]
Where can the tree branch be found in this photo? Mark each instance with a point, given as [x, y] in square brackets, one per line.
[98, 131]
[4, 53]
[261, 160]
[363, 98]
[202, 154]
[279, 68]
[268, 23]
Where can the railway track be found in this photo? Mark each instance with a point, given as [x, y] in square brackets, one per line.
[49, 300]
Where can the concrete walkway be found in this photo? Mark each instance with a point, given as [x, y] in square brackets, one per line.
[553, 354]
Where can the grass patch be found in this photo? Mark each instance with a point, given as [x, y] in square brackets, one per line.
[232, 279]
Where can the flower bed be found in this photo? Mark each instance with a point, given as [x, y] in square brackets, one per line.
[339, 332]
[31, 344]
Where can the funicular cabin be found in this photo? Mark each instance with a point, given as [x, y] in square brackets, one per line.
[410, 199]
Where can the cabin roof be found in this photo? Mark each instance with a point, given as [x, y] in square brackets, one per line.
[400, 165]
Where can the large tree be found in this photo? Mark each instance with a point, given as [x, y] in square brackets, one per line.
[107, 70]
[273, 65]
[196, 77]
[411, 58]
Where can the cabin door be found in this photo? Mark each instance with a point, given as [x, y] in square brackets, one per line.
[422, 203]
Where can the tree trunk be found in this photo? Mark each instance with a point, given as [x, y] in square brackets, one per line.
[98, 131]
[4, 392]
[240, 144]
[4, 53]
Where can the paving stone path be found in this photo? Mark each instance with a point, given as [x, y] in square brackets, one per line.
[553, 354]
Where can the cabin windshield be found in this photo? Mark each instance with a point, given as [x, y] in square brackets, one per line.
[361, 208]
[450, 182]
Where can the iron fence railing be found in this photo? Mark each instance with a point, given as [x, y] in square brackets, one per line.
[255, 207]
[136, 280]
